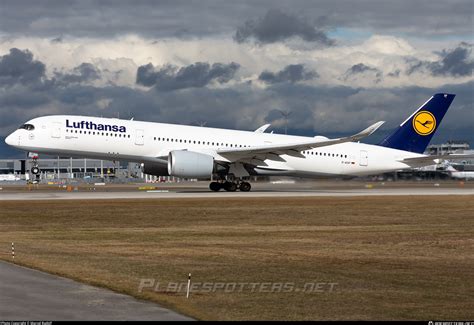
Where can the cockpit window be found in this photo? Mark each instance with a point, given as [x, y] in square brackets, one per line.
[28, 127]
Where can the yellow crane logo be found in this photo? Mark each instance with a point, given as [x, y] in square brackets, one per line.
[424, 123]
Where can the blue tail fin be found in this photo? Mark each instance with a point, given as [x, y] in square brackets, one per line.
[415, 133]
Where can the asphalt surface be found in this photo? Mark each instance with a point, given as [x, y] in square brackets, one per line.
[27, 294]
[204, 193]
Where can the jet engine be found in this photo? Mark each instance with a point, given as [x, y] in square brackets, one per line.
[182, 163]
[156, 169]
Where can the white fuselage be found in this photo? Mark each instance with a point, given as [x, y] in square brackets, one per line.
[116, 139]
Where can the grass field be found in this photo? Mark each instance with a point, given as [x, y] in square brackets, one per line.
[387, 258]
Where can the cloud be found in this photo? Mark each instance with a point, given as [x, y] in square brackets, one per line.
[85, 72]
[277, 26]
[199, 74]
[19, 67]
[182, 19]
[395, 74]
[457, 62]
[291, 73]
[362, 69]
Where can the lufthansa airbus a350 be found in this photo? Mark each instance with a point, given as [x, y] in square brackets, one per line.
[230, 156]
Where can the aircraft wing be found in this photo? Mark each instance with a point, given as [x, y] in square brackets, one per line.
[273, 151]
[432, 160]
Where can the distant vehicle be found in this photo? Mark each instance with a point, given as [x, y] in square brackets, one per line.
[229, 156]
[9, 178]
[454, 173]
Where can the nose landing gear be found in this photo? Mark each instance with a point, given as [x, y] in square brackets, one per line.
[35, 170]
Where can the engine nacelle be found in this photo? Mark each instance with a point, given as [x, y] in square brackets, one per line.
[190, 164]
[155, 169]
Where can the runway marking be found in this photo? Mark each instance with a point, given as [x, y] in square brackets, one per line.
[157, 194]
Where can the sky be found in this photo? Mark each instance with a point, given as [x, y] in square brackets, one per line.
[336, 66]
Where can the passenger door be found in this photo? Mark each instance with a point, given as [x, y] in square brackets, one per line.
[56, 130]
[139, 137]
[364, 158]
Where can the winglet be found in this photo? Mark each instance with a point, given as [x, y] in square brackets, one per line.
[368, 131]
[262, 128]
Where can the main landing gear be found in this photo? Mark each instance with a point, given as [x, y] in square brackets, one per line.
[230, 186]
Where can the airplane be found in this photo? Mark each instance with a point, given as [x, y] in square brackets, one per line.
[454, 173]
[229, 157]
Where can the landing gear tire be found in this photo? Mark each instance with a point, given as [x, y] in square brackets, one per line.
[35, 170]
[215, 186]
[230, 186]
[245, 187]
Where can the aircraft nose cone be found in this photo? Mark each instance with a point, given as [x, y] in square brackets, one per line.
[9, 140]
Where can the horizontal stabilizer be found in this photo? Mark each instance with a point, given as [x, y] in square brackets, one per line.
[434, 159]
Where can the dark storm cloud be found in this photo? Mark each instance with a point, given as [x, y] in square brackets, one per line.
[361, 68]
[455, 62]
[19, 67]
[85, 72]
[291, 73]
[278, 26]
[394, 74]
[199, 74]
[157, 19]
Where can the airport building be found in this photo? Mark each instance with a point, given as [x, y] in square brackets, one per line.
[66, 168]
[56, 168]
[450, 147]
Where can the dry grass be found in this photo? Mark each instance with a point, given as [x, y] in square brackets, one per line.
[391, 257]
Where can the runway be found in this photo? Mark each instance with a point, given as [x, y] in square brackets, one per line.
[33, 295]
[262, 193]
